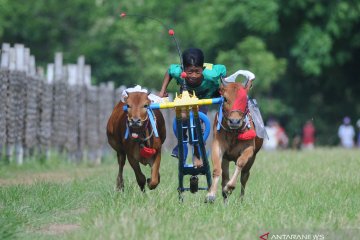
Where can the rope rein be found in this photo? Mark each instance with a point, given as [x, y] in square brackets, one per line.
[146, 128]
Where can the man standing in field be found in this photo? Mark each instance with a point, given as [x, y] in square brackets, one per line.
[308, 136]
[346, 133]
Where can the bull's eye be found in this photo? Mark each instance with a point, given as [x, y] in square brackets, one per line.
[128, 106]
[146, 105]
[225, 99]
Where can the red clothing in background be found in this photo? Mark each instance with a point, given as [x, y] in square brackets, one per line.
[308, 133]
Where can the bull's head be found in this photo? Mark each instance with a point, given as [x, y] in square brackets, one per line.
[137, 104]
[235, 104]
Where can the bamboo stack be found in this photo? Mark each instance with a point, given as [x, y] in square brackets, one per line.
[4, 82]
[92, 119]
[45, 111]
[59, 105]
[31, 105]
[82, 107]
[15, 103]
[59, 110]
[106, 101]
[72, 106]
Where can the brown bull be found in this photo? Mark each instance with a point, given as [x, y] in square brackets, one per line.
[235, 141]
[139, 143]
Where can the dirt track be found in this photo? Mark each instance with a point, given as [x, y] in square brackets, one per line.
[51, 176]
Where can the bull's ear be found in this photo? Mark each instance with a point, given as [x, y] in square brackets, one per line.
[124, 96]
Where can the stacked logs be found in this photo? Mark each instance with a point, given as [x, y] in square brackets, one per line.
[54, 112]
[57, 110]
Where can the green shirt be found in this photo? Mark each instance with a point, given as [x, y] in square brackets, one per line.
[210, 84]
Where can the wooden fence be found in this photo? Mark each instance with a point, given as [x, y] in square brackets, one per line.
[57, 109]
[60, 110]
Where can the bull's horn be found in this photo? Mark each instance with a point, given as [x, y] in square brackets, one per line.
[223, 81]
[247, 74]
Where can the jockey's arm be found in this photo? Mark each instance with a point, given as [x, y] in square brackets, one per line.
[166, 81]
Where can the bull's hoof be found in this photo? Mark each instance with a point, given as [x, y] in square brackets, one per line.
[225, 197]
[210, 198]
[227, 191]
[150, 184]
[120, 187]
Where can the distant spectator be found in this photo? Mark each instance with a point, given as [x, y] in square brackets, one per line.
[282, 138]
[308, 135]
[346, 133]
[277, 136]
[272, 142]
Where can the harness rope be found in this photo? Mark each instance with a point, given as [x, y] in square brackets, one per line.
[145, 151]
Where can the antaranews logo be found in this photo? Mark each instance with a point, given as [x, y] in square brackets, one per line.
[264, 236]
[268, 236]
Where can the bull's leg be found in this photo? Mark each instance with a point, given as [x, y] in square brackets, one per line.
[216, 157]
[225, 175]
[245, 174]
[155, 175]
[240, 163]
[121, 161]
[140, 177]
[243, 179]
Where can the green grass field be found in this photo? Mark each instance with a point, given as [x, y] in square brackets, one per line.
[309, 194]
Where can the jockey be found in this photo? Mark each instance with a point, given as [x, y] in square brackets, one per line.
[202, 78]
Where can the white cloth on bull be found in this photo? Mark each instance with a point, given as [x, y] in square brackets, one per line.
[153, 98]
[247, 74]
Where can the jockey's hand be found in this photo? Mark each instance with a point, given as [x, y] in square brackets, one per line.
[163, 94]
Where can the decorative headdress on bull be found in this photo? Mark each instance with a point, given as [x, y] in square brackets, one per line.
[234, 109]
[135, 122]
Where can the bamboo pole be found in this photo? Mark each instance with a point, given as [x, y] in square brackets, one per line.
[46, 109]
[4, 82]
[72, 143]
[19, 80]
[59, 105]
[82, 107]
[92, 117]
[31, 105]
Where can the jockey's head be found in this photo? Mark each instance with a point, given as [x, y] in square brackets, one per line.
[193, 60]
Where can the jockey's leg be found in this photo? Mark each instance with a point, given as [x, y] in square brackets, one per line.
[197, 161]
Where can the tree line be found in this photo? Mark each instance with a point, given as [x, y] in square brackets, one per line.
[304, 53]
